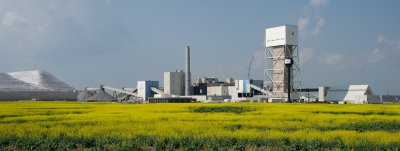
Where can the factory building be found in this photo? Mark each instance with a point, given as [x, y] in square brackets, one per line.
[218, 89]
[174, 83]
[230, 89]
[200, 89]
[34, 85]
[281, 81]
[206, 80]
[244, 88]
[218, 92]
[179, 82]
[354, 94]
[144, 88]
[201, 84]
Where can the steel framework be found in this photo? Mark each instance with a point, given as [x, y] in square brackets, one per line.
[275, 78]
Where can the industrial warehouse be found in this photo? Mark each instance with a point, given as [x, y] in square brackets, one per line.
[281, 83]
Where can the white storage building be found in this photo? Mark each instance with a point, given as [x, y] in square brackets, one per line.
[354, 94]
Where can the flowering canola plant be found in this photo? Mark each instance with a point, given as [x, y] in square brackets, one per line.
[231, 126]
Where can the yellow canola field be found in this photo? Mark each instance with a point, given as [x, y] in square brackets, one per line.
[240, 126]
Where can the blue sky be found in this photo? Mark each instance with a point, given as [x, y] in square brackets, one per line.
[118, 42]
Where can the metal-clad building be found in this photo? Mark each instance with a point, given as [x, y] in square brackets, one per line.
[144, 88]
[218, 90]
[174, 83]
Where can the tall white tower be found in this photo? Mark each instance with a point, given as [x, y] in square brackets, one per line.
[281, 43]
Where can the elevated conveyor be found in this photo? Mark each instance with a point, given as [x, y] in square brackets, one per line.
[259, 89]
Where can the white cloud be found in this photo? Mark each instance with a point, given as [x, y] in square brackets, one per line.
[311, 21]
[318, 26]
[11, 19]
[332, 59]
[59, 28]
[375, 56]
[383, 40]
[371, 57]
[306, 54]
[303, 23]
[317, 3]
[390, 43]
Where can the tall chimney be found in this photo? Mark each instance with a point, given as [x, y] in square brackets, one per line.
[187, 74]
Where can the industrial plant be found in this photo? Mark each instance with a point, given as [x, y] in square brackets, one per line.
[281, 83]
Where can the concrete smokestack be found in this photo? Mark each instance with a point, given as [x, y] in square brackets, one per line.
[188, 82]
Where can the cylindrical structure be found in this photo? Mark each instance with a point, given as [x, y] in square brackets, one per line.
[288, 64]
[187, 74]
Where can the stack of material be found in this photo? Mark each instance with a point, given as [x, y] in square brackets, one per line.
[34, 85]
[8, 83]
[84, 95]
[101, 96]
[122, 97]
[41, 79]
